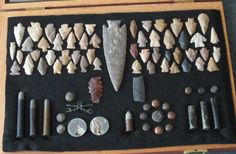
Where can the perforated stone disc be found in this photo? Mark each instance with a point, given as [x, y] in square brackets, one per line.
[77, 127]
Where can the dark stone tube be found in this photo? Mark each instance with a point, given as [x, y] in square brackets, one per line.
[205, 116]
[33, 108]
[192, 117]
[138, 89]
[46, 118]
[20, 115]
[216, 113]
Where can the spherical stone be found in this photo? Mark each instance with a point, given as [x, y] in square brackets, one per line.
[146, 127]
[157, 116]
[158, 130]
[188, 90]
[201, 90]
[169, 127]
[171, 115]
[143, 116]
[165, 106]
[70, 96]
[61, 117]
[61, 129]
[147, 107]
[155, 103]
[214, 89]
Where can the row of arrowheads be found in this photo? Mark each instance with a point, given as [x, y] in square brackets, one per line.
[83, 33]
[199, 39]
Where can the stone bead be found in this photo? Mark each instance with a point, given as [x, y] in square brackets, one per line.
[201, 90]
[169, 127]
[155, 103]
[61, 129]
[70, 96]
[188, 90]
[214, 89]
[158, 130]
[146, 127]
[143, 116]
[171, 115]
[147, 107]
[165, 106]
[61, 117]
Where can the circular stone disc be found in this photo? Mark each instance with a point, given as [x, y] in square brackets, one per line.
[77, 127]
[157, 116]
[99, 126]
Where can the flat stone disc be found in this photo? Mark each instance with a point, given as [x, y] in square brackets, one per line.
[77, 127]
[157, 116]
[99, 126]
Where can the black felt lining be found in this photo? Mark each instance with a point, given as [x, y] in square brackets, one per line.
[113, 106]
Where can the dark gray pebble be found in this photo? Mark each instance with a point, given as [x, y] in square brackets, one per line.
[146, 127]
[201, 90]
[147, 107]
[165, 106]
[169, 127]
[188, 90]
[143, 116]
[214, 89]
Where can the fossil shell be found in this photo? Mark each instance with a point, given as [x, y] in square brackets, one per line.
[191, 26]
[151, 67]
[147, 24]
[90, 28]
[212, 66]
[160, 24]
[186, 66]
[154, 39]
[71, 67]
[97, 64]
[28, 65]
[204, 53]
[12, 50]
[191, 54]
[64, 31]
[15, 69]
[95, 89]
[169, 40]
[90, 55]
[216, 54]
[183, 40]
[174, 68]
[42, 66]
[65, 57]
[43, 44]
[134, 50]
[19, 56]
[177, 55]
[214, 36]
[71, 41]
[142, 40]
[84, 41]
[76, 56]
[156, 55]
[19, 31]
[176, 26]
[78, 29]
[83, 64]
[95, 41]
[35, 31]
[133, 28]
[165, 66]
[35, 55]
[57, 67]
[199, 40]
[27, 45]
[50, 32]
[199, 63]
[144, 55]
[50, 57]
[136, 67]
[57, 43]
[203, 20]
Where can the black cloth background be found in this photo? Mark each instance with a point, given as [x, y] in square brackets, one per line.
[114, 105]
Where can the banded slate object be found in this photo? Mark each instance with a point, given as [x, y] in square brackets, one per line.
[138, 89]
[192, 117]
[216, 113]
[205, 116]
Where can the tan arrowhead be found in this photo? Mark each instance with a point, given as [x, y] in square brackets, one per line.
[43, 44]
[174, 68]
[133, 28]
[160, 24]
[136, 67]
[212, 66]
[95, 41]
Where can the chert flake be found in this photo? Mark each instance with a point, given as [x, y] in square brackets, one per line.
[134, 50]
[27, 45]
[203, 20]
[136, 67]
[84, 64]
[35, 31]
[168, 55]
[216, 54]
[57, 66]
[90, 28]
[19, 56]
[65, 57]
[12, 50]
[198, 39]
[35, 54]
[95, 41]
[90, 55]
[50, 57]
[160, 24]
[169, 40]
[177, 55]
[174, 68]
[43, 44]
[154, 39]
[71, 40]
[144, 54]
[212, 66]
[147, 24]
[142, 40]
[64, 30]
[165, 66]
[42, 66]
[57, 43]
[76, 56]
[28, 65]
[156, 55]
[84, 41]
[19, 31]
[151, 67]
[204, 53]
[191, 26]
[199, 63]
[71, 67]
[214, 36]
[186, 66]
[133, 28]
[95, 89]
[183, 40]
[97, 64]
[15, 69]
[191, 54]
[50, 32]
[176, 26]
[78, 29]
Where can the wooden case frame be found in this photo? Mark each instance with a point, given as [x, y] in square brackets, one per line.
[115, 9]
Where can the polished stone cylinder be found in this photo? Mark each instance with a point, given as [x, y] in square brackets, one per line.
[32, 119]
[205, 116]
[216, 113]
[20, 115]
[46, 118]
[192, 117]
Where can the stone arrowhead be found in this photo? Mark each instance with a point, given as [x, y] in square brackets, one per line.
[15, 69]
[191, 26]
[35, 55]
[90, 28]
[177, 55]
[71, 67]
[19, 31]
[214, 36]
[154, 39]
[65, 57]
[57, 43]
[136, 67]
[71, 40]
[165, 66]
[151, 67]
[27, 45]
[133, 28]
[28, 65]
[174, 69]
[12, 50]
[76, 56]
[57, 66]
[50, 57]
[142, 40]
[186, 66]
[35, 31]
[203, 20]
[90, 55]
[97, 64]
[160, 24]
[176, 26]
[156, 55]
[84, 42]
[43, 44]
[199, 63]
[78, 29]
[64, 30]
[147, 24]
[95, 41]
[42, 66]
[83, 64]
[169, 40]
[50, 32]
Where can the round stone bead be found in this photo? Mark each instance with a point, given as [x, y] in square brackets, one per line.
[146, 127]
[214, 89]
[147, 107]
[158, 130]
[143, 116]
[171, 115]
[70, 96]
[61, 129]
[156, 103]
[201, 90]
[61, 117]
[188, 90]
[169, 127]
[165, 106]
